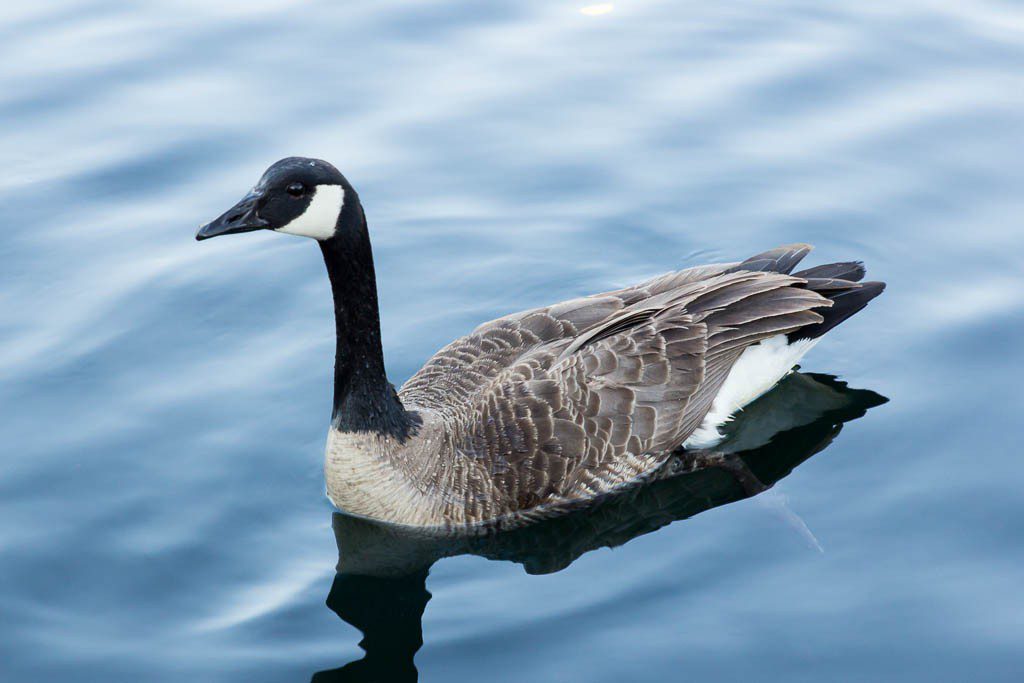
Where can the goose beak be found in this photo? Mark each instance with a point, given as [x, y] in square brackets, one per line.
[241, 217]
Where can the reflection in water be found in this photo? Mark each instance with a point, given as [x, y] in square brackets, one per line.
[380, 587]
[389, 612]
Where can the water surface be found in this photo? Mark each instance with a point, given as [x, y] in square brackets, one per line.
[161, 498]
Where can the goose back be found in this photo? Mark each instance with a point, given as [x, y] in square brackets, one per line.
[569, 401]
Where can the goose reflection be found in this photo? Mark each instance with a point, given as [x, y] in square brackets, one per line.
[380, 587]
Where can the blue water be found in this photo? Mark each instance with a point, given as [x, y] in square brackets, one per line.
[164, 402]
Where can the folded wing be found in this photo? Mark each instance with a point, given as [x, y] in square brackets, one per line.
[578, 398]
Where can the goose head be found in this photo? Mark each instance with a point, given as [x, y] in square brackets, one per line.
[309, 197]
[298, 196]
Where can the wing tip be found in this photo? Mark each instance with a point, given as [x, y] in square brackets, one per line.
[778, 260]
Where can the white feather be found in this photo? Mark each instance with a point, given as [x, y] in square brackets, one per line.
[758, 369]
[321, 216]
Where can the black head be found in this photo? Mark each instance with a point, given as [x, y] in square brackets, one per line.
[298, 196]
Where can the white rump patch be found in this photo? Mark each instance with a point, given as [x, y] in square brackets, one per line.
[321, 216]
[758, 369]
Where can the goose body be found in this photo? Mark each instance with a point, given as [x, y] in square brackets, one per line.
[537, 411]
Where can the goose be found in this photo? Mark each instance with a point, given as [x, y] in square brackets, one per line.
[534, 412]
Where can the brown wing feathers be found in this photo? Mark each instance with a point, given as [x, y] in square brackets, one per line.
[577, 398]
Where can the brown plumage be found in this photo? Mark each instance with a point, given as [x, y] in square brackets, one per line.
[576, 399]
[545, 408]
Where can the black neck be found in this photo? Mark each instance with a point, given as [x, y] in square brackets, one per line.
[364, 400]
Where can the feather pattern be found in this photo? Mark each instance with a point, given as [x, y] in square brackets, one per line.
[570, 401]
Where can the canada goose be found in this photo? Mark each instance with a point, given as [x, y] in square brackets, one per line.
[540, 409]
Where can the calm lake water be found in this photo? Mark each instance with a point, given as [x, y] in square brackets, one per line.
[164, 402]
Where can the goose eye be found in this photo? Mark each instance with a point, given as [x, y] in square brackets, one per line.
[296, 189]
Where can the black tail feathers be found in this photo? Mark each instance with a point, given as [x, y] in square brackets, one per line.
[846, 301]
[840, 282]
[852, 271]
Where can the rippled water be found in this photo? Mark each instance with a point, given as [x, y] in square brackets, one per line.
[164, 403]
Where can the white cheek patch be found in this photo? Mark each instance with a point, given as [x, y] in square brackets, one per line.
[321, 216]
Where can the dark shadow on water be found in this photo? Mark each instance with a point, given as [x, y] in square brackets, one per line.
[380, 587]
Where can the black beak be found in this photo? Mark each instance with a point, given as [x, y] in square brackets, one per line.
[239, 218]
